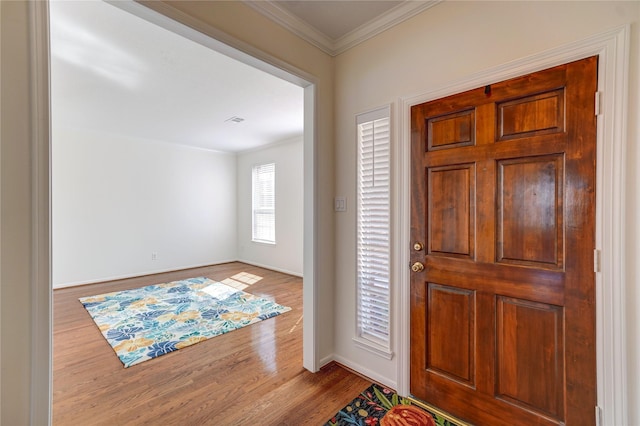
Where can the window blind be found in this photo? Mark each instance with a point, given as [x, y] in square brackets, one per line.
[373, 216]
[264, 201]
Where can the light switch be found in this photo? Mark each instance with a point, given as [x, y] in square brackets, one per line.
[340, 204]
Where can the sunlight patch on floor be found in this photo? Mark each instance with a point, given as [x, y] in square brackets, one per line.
[247, 278]
[233, 283]
[241, 280]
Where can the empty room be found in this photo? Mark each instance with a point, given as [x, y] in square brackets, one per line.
[177, 199]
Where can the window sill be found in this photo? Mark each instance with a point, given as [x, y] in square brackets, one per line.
[267, 243]
[374, 348]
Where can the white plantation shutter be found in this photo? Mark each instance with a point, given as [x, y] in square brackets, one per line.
[264, 203]
[373, 213]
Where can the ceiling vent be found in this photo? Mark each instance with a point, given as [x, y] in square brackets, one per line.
[234, 119]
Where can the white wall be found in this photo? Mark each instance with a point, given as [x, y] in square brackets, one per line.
[117, 200]
[446, 43]
[286, 254]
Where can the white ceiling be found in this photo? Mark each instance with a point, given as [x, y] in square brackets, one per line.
[112, 72]
[337, 18]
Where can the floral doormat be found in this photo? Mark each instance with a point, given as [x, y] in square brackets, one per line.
[147, 322]
[379, 406]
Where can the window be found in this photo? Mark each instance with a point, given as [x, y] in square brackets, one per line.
[373, 243]
[264, 203]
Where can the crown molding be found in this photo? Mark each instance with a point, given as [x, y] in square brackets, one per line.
[331, 46]
[393, 17]
[294, 24]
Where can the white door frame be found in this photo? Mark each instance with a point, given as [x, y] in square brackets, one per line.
[174, 20]
[613, 50]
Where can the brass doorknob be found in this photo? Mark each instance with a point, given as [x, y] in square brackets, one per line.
[418, 246]
[417, 267]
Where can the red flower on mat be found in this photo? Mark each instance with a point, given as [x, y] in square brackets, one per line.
[407, 415]
[371, 421]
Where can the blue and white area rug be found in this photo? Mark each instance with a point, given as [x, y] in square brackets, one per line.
[147, 322]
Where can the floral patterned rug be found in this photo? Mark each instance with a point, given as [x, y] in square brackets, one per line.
[380, 406]
[147, 322]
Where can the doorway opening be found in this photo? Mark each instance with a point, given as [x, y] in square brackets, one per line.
[209, 37]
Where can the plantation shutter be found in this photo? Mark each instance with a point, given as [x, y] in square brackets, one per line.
[373, 215]
[264, 200]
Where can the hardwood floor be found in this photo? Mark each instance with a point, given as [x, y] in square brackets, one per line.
[250, 376]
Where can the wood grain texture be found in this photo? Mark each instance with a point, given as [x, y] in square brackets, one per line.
[530, 213]
[451, 325]
[249, 376]
[531, 241]
[451, 130]
[451, 210]
[530, 334]
[531, 115]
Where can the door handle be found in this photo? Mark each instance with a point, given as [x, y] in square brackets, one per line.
[417, 267]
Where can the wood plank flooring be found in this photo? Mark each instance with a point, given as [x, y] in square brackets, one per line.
[250, 376]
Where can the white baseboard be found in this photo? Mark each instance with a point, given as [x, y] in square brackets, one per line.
[326, 360]
[373, 375]
[140, 274]
[259, 265]
[162, 271]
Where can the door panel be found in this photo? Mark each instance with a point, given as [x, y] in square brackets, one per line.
[451, 130]
[503, 196]
[451, 324]
[531, 115]
[530, 211]
[451, 224]
[530, 334]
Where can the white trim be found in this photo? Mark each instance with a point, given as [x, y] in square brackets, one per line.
[326, 360]
[263, 242]
[140, 274]
[610, 233]
[0, 210]
[370, 374]
[291, 22]
[334, 47]
[41, 383]
[310, 334]
[395, 16]
[271, 268]
[162, 271]
[400, 241]
[613, 50]
[374, 114]
[371, 347]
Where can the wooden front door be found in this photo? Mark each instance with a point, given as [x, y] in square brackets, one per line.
[503, 207]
